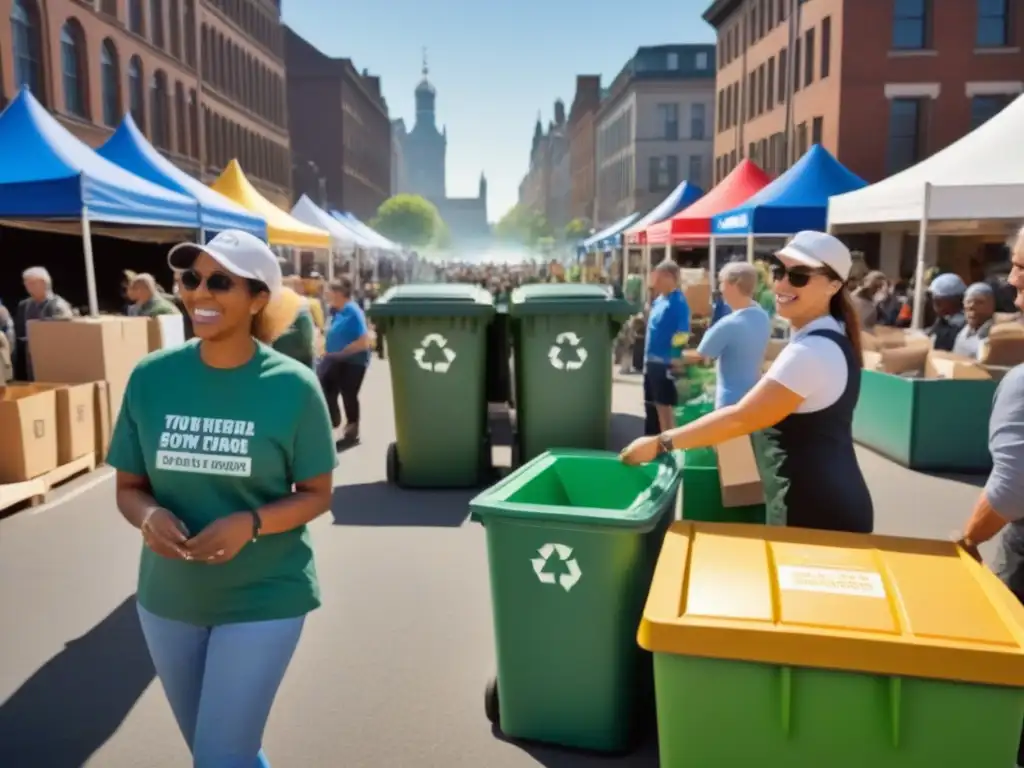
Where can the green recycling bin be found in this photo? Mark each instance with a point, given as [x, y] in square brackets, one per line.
[437, 337]
[562, 338]
[572, 539]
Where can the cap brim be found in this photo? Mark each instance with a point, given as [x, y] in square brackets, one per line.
[183, 256]
[800, 257]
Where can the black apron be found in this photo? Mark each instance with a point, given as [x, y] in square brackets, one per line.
[808, 466]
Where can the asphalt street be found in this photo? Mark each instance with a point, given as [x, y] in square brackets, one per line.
[390, 672]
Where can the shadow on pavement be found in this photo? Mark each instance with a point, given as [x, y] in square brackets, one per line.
[645, 755]
[978, 481]
[76, 701]
[626, 428]
[382, 504]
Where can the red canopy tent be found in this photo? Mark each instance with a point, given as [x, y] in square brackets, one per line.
[694, 223]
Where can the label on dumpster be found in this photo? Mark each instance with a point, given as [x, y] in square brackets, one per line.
[566, 354]
[567, 574]
[433, 354]
[833, 581]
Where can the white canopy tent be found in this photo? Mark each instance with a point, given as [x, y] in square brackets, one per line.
[345, 242]
[978, 178]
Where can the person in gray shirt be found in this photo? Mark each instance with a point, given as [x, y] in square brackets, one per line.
[979, 306]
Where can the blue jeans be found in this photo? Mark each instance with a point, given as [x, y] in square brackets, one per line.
[221, 682]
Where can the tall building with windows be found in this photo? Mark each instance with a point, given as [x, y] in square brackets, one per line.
[654, 129]
[203, 80]
[881, 84]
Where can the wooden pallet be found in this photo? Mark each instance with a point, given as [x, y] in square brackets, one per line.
[35, 491]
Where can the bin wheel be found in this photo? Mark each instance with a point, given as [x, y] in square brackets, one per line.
[393, 465]
[491, 706]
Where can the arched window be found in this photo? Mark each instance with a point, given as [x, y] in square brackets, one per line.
[26, 41]
[156, 21]
[73, 69]
[180, 119]
[110, 77]
[193, 124]
[174, 18]
[136, 17]
[137, 92]
[158, 96]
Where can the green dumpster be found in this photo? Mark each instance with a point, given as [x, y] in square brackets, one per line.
[562, 340]
[791, 648]
[572, 538]
[911, 421]
[437, 336]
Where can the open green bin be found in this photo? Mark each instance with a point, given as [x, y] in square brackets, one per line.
[437, 347]
[937, 425]
[572, 538]
[562, 340]
[700, 493]
[793, 648]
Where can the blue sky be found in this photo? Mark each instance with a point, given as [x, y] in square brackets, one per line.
[494, 64]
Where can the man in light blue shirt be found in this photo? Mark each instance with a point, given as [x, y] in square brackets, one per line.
[738, 341]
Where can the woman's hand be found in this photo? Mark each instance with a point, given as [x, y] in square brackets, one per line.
[165, 534]
[222, 539]
[641, 451]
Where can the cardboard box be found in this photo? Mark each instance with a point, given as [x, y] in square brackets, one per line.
[883, 337]
[76, 420]
[737, 473]
[103, 424]
[1004, 346]
[28, 423]
[165, 331]
[946, 365]
[88, 349]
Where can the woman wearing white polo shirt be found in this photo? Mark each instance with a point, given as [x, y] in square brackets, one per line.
[800, 414]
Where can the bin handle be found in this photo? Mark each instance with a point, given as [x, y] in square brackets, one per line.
[664, 480]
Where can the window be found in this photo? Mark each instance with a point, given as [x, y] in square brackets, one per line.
[910, 24]
[158, 110]
[770, 84]
[826, 46]
[796, 66]
[72, 64]
[193, 124]
[801, 139]
[672, 60]
[984, 108]
[26, 44]
[751, 95]
[783, 74]
[783, 10]
[156, 21]
[993, 24]
[174, 17]
[698, 116]
[663, 172]
[817, 128]
[110, 80]
[904, 147]
[109, 7]
[760, 90]
[701, 61]
[189, 24]
[668, 115]
[136, 17]
[771, 15]
[735, 103]
[809, 60]
[695, 172]
[180, 120]
[721, 111]
[136, 93]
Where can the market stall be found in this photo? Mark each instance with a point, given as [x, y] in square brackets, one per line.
[606, 239]
[344, 241]
[129, 149]
[52, 181]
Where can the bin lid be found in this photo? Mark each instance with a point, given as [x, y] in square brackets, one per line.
[566, 299]
[582, 487]
[879, 605]
[434, 300]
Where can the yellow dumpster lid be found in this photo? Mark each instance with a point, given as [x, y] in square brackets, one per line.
[795, 597]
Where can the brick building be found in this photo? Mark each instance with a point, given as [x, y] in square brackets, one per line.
[585, 104]
[204, 81]
[341, 131]
[881, 84]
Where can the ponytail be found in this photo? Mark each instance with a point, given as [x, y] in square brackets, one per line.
[842, 309]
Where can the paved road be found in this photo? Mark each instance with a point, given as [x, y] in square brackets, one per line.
[390, 671]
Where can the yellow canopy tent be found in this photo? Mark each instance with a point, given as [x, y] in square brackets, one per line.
[282, 227]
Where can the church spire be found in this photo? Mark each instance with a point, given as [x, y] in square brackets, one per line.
[426, 69]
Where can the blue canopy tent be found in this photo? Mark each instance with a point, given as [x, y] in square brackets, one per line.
[130, 150]
[49, 178]
[796, 200]
[683, 196]
[606, 238]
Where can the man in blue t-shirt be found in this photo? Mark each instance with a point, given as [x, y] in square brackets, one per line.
[738, 341]
[668, 328]
[347, 356]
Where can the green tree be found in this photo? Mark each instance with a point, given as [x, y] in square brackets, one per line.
[442, 235]
[575, 230]
[408, 219]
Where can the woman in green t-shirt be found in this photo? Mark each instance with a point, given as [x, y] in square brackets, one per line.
[209, 442]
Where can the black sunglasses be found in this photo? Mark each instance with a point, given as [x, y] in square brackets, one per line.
[216, 282]
[798, 276]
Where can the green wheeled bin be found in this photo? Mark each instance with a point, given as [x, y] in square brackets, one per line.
[572, 538]
[437, 339]
[562, 339]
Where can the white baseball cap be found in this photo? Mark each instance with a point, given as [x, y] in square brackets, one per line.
[819, 249]
[240, 253]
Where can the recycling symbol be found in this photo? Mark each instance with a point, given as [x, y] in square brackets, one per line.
[563, 341]
[433, 354]
[572, 573]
